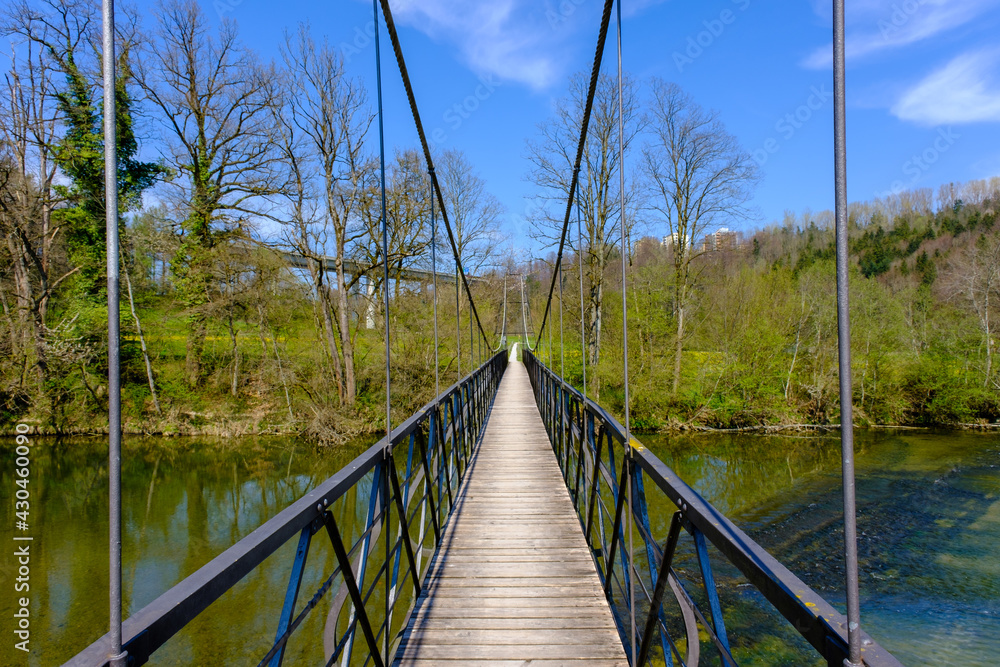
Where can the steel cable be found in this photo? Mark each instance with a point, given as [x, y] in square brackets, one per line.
[401, 62]
[584, 130]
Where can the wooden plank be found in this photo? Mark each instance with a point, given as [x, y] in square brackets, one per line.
[528, 635]
[514, 582]
[414, 650]
[465, 662]
[566, 622]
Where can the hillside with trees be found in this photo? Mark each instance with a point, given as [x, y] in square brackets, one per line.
[761, 348]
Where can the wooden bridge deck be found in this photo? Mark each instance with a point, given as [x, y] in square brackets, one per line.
[513, 582]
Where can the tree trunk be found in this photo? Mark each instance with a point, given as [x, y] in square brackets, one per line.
[678, 350]
[195, 348]
[142, 343]
[236, 354]
[323, 299]
[989, 350]
[594, 340]
[344, 327]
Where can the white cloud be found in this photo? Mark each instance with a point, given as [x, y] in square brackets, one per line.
[879, 25]
[526, 41]
[511, 39]
[963, 91]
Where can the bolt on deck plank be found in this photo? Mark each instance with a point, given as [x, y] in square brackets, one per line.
[513, 582]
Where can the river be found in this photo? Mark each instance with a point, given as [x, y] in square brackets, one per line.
[929, 518]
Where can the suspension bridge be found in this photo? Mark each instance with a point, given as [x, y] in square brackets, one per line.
[510, 521]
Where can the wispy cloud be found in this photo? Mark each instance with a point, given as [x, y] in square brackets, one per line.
[507, 38]
[524, 41]
[963, 91]
[881, 25]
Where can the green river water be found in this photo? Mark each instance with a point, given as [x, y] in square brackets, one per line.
[929, 516]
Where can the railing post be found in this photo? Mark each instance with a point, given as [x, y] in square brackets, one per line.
[714, 607]
[373, 504]
[429, 483]
[656, 604]
[594, 481]
[609, 564]
[352, 588]
[643, 514]
[404, 525]
[292, 594]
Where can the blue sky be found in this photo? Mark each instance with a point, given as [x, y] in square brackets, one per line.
[923, 84]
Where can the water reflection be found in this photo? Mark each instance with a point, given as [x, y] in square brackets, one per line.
[929, 532]
[184, 502]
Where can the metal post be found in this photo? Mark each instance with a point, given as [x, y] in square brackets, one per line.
[434, 278]
[388, 360]
[550, 345]
[524, 315]
[844, 340]
[458, 325]
[117, 656]
[583, 331]
[628, 433]
[385, 234]
[562, 348]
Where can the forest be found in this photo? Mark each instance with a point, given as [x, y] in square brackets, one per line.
[252, 273]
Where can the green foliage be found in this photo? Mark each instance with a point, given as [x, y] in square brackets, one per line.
[80, 155]
[762, 343]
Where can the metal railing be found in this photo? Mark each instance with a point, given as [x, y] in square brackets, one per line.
[408, 486]
[598, 469]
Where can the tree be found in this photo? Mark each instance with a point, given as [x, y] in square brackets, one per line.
[323, 141]
[700, 177]
[598, 197]
[974, 277]
[65, 35]
[474, 213]
[27, 172]
[216, 102]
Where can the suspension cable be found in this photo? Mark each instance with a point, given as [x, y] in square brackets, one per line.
[434, 278]
[458, 323]
[584, 130]
[385, 234]
[401, 62]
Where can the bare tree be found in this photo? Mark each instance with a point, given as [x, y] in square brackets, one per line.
[474, 213]
[553, 155]
[407, 215]
[27, 173]
[974, 277]
[701, 177]
[323, 141]
[216, 101]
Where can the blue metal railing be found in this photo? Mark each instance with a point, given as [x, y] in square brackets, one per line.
[406, 487]
[600, 472]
